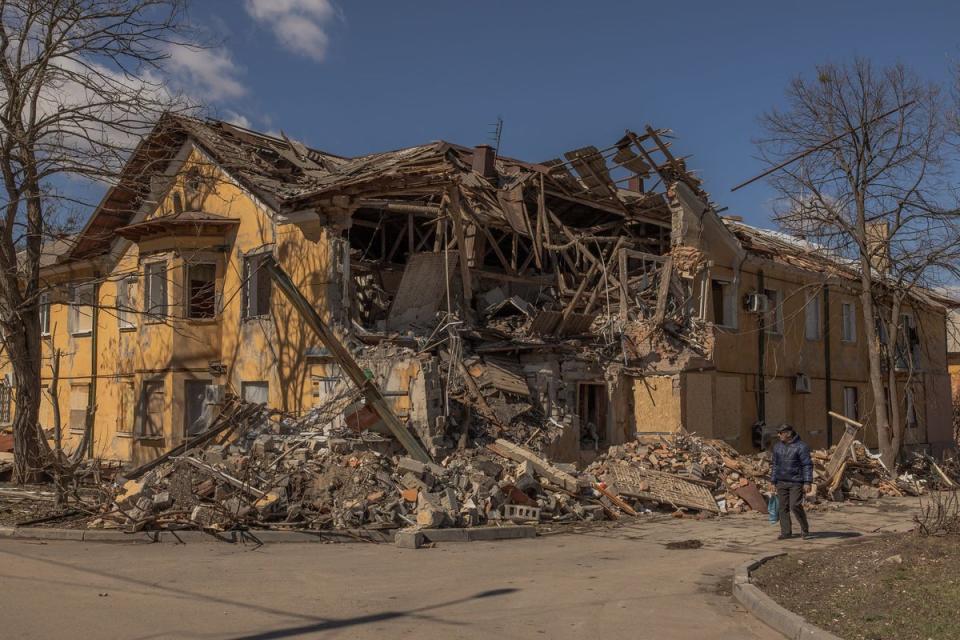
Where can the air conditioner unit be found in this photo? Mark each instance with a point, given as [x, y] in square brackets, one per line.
[801, 383]
[755, 303]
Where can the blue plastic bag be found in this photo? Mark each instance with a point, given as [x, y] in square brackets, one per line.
[773, 508]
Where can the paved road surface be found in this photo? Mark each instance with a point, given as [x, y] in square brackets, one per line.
[619, 582]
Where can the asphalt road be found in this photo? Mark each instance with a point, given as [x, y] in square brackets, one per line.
[609, 582]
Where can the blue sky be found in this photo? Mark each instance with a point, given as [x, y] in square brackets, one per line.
[357, 77]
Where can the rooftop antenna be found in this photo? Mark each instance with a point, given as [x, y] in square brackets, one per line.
[495, 135]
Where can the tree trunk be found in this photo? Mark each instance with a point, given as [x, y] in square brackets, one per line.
[888, 443]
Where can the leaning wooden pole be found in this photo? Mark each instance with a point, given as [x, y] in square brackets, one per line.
[371, 393]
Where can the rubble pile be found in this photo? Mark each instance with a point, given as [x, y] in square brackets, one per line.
[274, 472]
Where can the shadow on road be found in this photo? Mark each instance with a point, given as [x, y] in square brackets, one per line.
[823, 535]
[329, 625]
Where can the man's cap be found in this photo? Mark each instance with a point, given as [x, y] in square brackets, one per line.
[785, 427]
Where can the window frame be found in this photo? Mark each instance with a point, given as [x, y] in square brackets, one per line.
[74, 387]
[43, 308]
[774, 311]
[188, 291]
[148, 277]
[76, 297]
[140, 423]
[126, 310]
[255, 384]
[727, 305]
[856, 402]
[845, 335]
[252, 294]
[814, 303]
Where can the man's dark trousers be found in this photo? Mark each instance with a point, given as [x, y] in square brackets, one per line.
[790, 495]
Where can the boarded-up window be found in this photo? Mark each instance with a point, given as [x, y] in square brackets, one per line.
[155, 298]
[255, 392]
[81, 309]
[6, 404]
[125, 303]
[79, 399]
[202, 288]
[128, 408]
[45, 314]
[153, 400]
[256, 287]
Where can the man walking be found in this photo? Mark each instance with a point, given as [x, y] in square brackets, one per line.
[792, 475]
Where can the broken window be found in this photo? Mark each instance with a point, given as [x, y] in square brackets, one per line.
[202, 289]
[724, 300]
[812, 317]
[257, 286]
[851, 403]
[81, 309]
[911, 413]
[44, 309]
[155, 298]
[125, 308]
[79, 401]
[848, 322]
[153, 400]
[908, 343]
[255, 392]
[592, 410]
[774, 311]
[6, 403]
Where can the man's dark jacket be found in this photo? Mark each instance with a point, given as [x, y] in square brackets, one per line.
[791, 462]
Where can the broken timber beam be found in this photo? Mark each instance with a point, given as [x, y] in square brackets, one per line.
[515, 452]
[666, 275]
[370, 392]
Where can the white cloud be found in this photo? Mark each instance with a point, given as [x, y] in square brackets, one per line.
[211, 73]
[238, 119]
[299, 25]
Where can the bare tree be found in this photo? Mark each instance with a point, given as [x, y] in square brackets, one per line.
[868, 189]
[81, 82]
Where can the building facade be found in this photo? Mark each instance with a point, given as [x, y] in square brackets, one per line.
[472, 288]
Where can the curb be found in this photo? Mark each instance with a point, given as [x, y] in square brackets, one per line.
[183, 537]
[416, 538]
[403, 539]
[767, 610]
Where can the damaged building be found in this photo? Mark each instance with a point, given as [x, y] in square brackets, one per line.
[575, 302]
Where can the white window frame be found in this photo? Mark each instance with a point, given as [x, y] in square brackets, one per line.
[78, 328]
[6, 403]
[812, 318]
[44, 310]
[848, 322]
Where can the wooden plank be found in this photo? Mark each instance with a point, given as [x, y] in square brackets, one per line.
[660, 487]
[371, 393]
[517, 453]
[666, 275]
[841, 453]
[456, 214]
[615, 499]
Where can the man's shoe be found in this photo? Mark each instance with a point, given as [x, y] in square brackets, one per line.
[806, 535]
[784, 537]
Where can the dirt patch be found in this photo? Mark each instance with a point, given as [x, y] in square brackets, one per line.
[894, 587]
